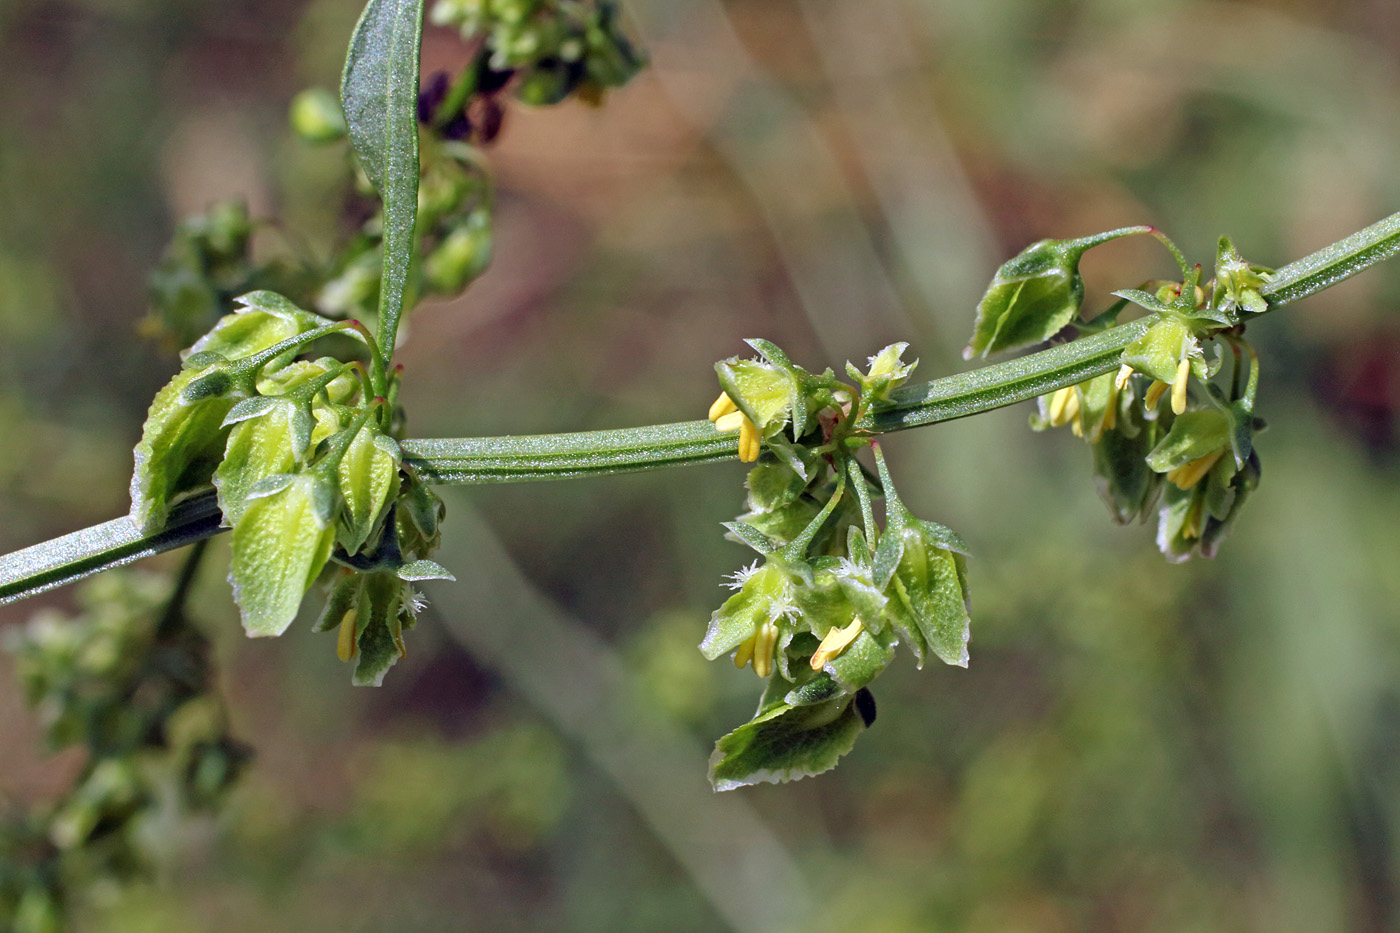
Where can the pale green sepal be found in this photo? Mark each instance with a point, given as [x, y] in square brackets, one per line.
[379, 628]
[265, 320]
[930, 595]
[279, 546]
[862, 661]
[760, 390]
[764, 595]
[887, 372]
[369, 477]
[1157, 352]
[258, 447]
[821, 688]
[250, 408]
[746, 533]
[773, 484]
[417, 570]
[345, 591]
[785, 744]
[1193, 434]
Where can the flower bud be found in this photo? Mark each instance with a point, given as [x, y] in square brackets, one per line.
[462, 256]
[317, 117]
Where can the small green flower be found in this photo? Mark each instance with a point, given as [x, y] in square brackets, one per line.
[1237, 282]
[757, 621]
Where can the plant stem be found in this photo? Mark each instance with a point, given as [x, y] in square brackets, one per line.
[1332, 264]
[599, 453]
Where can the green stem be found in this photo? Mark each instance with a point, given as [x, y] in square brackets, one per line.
[600, 453]
[1332, 264]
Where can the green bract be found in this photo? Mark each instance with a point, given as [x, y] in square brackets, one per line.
[182, 442]
[280, 544]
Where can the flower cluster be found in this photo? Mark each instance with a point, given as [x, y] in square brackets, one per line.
[833, 594]
[302, 456]
[1192, 460]
[128, 678]
[543, 50]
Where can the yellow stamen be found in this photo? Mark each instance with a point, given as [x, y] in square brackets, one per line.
[765, 640]
[835, 642]
[749, 441]
[730, 422]
[744, 653]
[1125, 372]
[1189, 474]
[1154, 394]
[1064, 405]
[345, 646]
[1183, 369]
[722, 406]
[1110, 414]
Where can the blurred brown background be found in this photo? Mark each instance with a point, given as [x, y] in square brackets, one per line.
[1136, 746]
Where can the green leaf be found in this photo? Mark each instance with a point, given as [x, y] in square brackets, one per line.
[379, 92]
[1034, 294]
[786, 743]
[279, 546]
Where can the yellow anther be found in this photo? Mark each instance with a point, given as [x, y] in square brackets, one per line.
[1110, 414]
[730, 422]
[722, 406]
[1125, 372]
[749, 441]
[1064, 405]
[834, 643]
[744, 653]
[1183, 369]
[765, 640]
[1189, 474]
[345, 637]
[1154, 394]
[1191, 525]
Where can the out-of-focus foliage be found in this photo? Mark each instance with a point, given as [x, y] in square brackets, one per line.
[1134, 747]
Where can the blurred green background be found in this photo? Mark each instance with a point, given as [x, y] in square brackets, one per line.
[1136, 746]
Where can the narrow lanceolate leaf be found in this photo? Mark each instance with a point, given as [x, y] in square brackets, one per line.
[379, 91]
